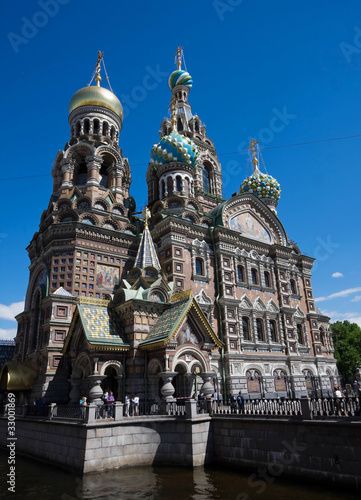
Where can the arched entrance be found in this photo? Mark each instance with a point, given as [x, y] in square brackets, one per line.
[180, 382]
[110, 383]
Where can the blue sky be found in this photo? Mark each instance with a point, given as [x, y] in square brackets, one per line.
[284, 72]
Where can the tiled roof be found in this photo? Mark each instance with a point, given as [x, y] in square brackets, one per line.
[101, 327]
[167, 322]
[62, 292]
[146, 256]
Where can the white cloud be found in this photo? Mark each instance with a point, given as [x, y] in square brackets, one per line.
[352, 317]
[337, 275]
[356, 299]
[8, 334]
[343, 293]
[9, 312]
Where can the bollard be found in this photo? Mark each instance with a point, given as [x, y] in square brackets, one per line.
[118, 411]
[191, 408]
[305, 408]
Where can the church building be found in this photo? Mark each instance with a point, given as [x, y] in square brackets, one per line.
[197, 288]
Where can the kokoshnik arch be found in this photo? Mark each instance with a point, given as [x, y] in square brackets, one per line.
[201, 284]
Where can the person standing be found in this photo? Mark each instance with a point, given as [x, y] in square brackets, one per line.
[110, 404]
[135, 401]
[232, 402]
[127, 404]
[83, 404]
[240, 401]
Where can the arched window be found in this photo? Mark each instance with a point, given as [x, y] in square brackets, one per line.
[96, 126]
[179, 125]
[112, 133]
[199, 267]
[245, 327]
[254, 276]
[240, 273]
[206, 180]
[82, 171]
[300, 334]
[86, 126]
[105, 128]
[77, 129]
[197, 126]
[273, 330]
[293, 287]
[179, 183]
[267, 279]
[322, 336]
[260, 331]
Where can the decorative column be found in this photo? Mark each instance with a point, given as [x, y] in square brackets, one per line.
[67, 169]
[96, 392]
[168, 389]
[94, 164]
[119, 379]
[117, 176]
[74, 394]
[207, 388]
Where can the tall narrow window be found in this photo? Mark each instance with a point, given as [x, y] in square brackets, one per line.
[206, 180]
[259, 325]
[267, 279]
[273, 331]
[293, 287]
[199, 266]
[179, 125]
[245, 327]
[300, 334]
[179, 184]
[240, 273]
[254, 276]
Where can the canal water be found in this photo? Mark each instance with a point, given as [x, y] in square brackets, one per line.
[41, 481]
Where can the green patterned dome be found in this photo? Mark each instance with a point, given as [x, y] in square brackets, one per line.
[180, 77]
[262, 185]
[174, 148]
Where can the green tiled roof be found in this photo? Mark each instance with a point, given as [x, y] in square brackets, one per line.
[100, 326]
[167, 322]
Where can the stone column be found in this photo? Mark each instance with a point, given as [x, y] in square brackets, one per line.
[168, 389]
[94, 164]
[207, 388]
[117, 177]
[119, 379]
[96, 392]
[67, 169]
[74, 394]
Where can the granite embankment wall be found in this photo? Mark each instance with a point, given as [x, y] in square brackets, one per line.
[101, 446]
[308, 449]
[267, 447]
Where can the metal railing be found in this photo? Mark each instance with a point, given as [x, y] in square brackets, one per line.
[342, 407]
[260, 407]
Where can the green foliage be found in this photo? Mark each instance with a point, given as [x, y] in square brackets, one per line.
[347, 343]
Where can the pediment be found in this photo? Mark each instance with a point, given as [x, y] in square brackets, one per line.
[252, 218]
[245, 303]
[202, 298]
[188, 335]
[259, 305]
[299, 312]
[272, 306]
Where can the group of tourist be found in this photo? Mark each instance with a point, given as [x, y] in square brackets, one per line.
[109, 401]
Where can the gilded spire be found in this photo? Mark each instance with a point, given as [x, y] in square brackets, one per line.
[98, 78]
[147, 216]
[253, 149]
[173, 114]
[178, 55]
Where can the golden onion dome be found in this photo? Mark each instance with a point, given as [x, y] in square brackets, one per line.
[96, 96]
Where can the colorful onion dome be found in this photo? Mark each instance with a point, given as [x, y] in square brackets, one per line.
[180, 77]
[174, 147]
[262, 185]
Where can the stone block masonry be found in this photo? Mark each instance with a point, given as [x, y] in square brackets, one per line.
[269, 447]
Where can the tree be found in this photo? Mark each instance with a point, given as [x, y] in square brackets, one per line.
[347, 343]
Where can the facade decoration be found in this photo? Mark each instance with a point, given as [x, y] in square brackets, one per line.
[199, 291]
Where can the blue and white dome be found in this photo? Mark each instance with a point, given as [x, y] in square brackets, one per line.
[262, 185]
[174, 148]
[180, 77]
